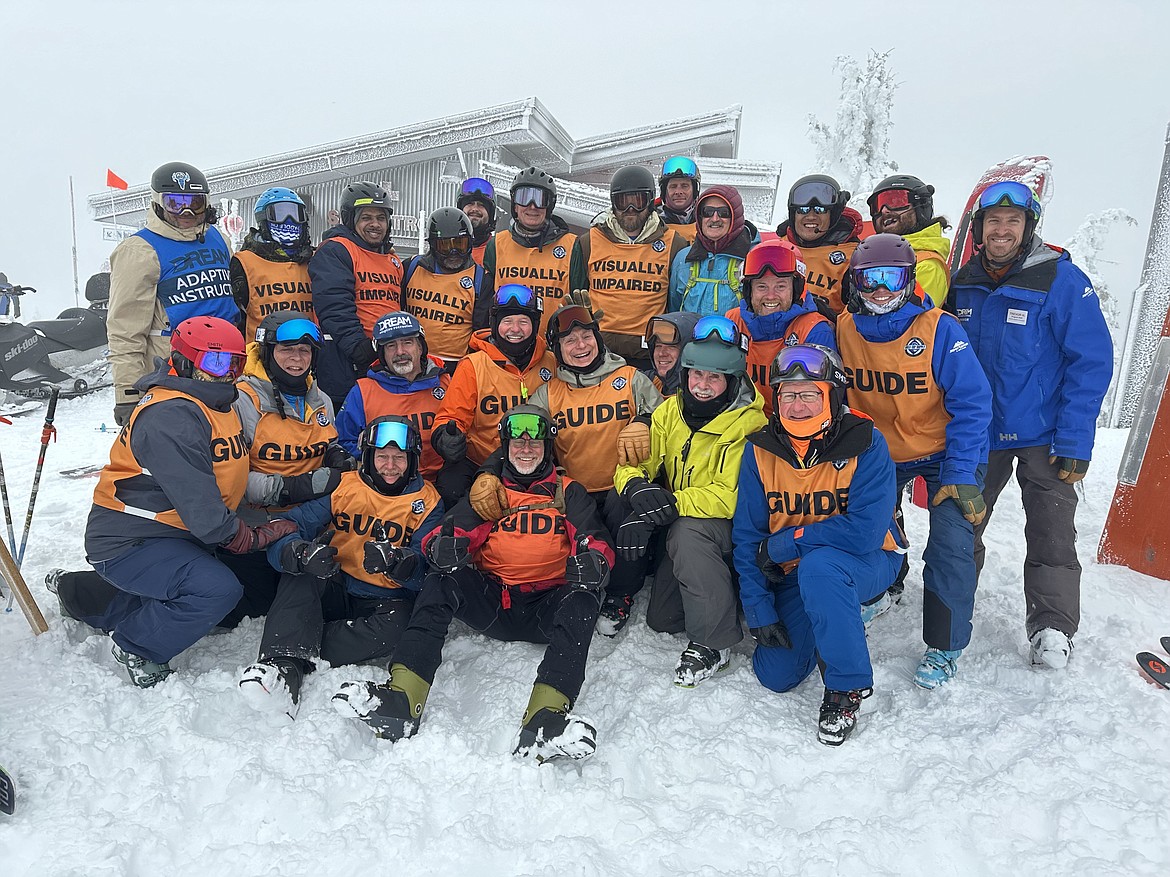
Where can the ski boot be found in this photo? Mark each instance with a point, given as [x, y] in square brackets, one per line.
[839, 715]
[393, 709]
[938, 666]
[549, 731]
[1051, 648]
[698, 663]
[143, 673]
[615, 612]
[273, 686]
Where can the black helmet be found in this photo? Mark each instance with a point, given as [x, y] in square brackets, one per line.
[919, 194]
[564, 320]
[534, 422]
[535, 177]
[383, 432]
[183, 180]
[287, 327]
[449, 225]
[631, 180]
[482, 192]
[363, 194]
[818, 189]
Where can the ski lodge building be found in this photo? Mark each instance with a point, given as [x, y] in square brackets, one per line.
[422, 166]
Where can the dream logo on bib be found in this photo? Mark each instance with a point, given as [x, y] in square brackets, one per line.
[619, 383]
[915, 347]
[466, 282]
[659, 246]
[837, 257]
[322, 418]
[558, 252]
[418, 507]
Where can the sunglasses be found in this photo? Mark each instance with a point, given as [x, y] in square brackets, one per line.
[477, 186]
[804, 362]
[871, 279]
[710, 211]
[519, 295]
[635, 201]
[391, 432]
[680, 166]
[805, 209]
[891, 199]
[285, 211]
[293, 332]
[722, 328]
[457, 246]
[220, 363]
[177, 205]
[530, 426]
[530, 196]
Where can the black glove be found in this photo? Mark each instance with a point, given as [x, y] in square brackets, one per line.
[773, 636]
[652, 501]
[122, 412]
[772, 571]
[310, 485]
[317, 558]
[449, 443]
[448, 552]
[362, 356]
[337, 457]
[586, 570]
[633, 538]
[381, 555]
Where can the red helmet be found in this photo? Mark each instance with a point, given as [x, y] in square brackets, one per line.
[210, 344]
[781, 258]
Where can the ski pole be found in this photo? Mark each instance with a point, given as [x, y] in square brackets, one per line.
[47, 432]
[4, 496]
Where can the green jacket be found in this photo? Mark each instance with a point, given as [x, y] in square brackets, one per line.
[932, 250]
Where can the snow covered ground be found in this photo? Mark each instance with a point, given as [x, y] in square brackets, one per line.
[1006, 770]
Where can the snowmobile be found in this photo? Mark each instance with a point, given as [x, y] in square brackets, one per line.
[68, 353]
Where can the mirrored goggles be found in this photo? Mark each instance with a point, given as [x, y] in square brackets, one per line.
[814, 192]
[457, 246]
[708, 211]
[477, 186]
[566, 318]
[802, 363]
[389, 432]
[1009, 193]
[680, 166]
[220, 363]
[286, 211]
[177, 204]
[812, 208]
[294, 332]
[891, 199]
[635, 201]
[518, 295]
[870, 279]
[663, 331]
[529, 426]
[530, 196]
[722, 328]
[778, 259]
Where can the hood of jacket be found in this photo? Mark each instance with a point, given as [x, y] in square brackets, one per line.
[256, 376]
[653, 230]
[729, 196]
[610, 363]
[392, 383]
[930, 239]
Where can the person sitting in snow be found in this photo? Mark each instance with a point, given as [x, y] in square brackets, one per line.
[535, 575]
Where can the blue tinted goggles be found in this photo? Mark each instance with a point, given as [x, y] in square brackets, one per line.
[517, 295]
[722, 328]
[297, 332]
[680, 166]
[1009, 193]
[870, 279]
[478, 186]
[390, 432]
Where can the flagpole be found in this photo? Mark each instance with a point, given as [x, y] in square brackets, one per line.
[73, 222]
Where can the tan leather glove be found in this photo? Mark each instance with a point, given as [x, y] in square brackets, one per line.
[487, 496]
[969, 499]
[1072, 470]
[580, 297]
[633, 444]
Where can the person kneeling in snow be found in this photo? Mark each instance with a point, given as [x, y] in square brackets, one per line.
[815, 535]
[351, 571]
[534, 576]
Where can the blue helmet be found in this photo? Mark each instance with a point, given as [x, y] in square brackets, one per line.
[281, 217]
[399, 324]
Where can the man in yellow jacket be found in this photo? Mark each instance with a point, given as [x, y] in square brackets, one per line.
[904, 205]
[688, 487]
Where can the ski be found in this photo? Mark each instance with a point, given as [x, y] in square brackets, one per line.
[83, 471]
[1165, 643]
[7, 793]
[1153, 668]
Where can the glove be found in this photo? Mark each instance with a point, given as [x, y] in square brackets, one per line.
[633, 538]
[362, 356]
[487, 496]
[380, 553]
[773, 571]
[969, 498]
[448, 552]
[317, 558]
[652, 501]
[122, 412]
[1072, 470]
[310, 485]
[580, 297]
[633, 444]
[248, 539]
[586, 570]
[337, 457]
[449, 442]
[772, 636]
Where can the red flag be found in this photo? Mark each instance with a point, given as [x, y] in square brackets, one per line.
[114, 181]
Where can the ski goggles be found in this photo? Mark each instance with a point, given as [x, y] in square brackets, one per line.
[384, 433]
[457, 246]
[722, 329]
[680, 166]
[709, 211]
[774, 257]
[566, 318]
[528, 426]
[220, 363]
[663, 332]
[286, 211]
[890, 199]
[626, 201]
[1009, 193]
[871, 279]
[813, 192]
[177, 204]
[805, 362]
[477, 186]
[292, 332]
[517, 295]
[530, 196]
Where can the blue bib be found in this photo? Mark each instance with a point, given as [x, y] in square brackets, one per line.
[193, 277]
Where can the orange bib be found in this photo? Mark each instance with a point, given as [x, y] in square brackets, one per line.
[588, 420]
[544, 270]
[629, 282]
[761, 354]
[826, 266]
[499, 390]
[272, 287]
[419, 408]
[529, 546]
[443, 304]
[377, 283]
[284, 445]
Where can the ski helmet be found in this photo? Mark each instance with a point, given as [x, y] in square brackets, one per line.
[881, 260]
[564, 320]
[917, 194]
[363, 194]
[449, 234]
[531, 422]
[178, 188]
[285, 328]
[676, 167]
[533, 178]
[480, 190]
[515, 298]
[1007, 193]
[627, 184]
[716, 345]
[399, 324]
[382, 432]
[281, 217]
[674, 329]
[817, 190]
[803, 363]
[777, 257]
[210, 344]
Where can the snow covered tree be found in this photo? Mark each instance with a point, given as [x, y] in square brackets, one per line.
[854, 149]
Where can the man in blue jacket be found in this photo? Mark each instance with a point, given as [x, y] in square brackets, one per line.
[1035, 323]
